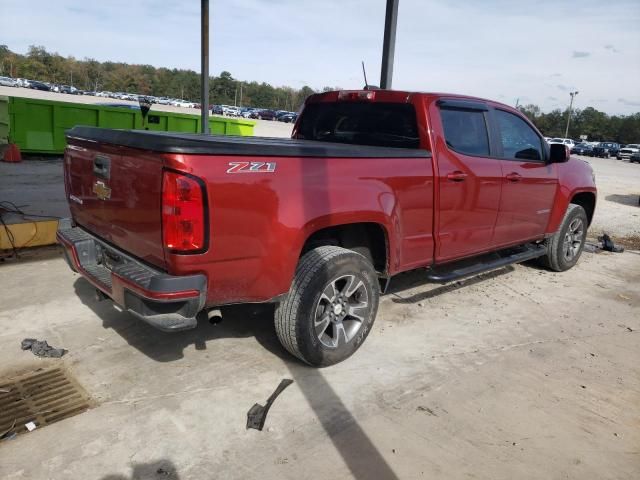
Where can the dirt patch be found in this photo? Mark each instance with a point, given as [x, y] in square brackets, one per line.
[631, 242]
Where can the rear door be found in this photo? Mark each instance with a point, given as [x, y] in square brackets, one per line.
[116, 193]
[469, 179]
[528, 182]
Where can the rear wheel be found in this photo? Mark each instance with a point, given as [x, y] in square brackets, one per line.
[330, 308]
[565, 247]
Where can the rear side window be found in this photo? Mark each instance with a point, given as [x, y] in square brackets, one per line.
[465, 131]
[376, 123]
[519, 140]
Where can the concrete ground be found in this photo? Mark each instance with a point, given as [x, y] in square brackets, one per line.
[521, 373]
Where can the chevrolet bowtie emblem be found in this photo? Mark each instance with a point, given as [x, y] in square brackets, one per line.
[101, 190]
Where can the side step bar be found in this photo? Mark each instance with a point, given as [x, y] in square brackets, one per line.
[471, 267]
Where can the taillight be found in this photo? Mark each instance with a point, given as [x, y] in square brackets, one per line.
[183, 213]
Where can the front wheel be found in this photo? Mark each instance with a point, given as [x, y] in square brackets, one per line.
[566, 245]
[330, 308]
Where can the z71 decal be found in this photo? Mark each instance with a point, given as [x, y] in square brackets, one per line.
[251, 167]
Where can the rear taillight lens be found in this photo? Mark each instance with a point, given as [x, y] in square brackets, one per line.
[183, 213]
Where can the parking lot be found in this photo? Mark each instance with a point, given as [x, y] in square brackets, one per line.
[520, 373]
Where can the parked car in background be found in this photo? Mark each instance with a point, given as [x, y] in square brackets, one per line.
[606, 150]
[39, 86]
[8, 82]
[265, 115]
[566, 141]
[231, 111]
[583, 149]
[68, 89]
[217, 110]
[626, 152]
[289, 117]
[635, 157]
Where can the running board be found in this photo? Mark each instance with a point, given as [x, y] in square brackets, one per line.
[462, 269]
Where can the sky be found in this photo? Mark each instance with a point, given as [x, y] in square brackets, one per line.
[511, 51]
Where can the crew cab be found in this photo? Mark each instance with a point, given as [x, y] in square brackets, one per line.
[372, 183]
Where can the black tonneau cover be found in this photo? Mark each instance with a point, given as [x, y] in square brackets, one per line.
[174, 142]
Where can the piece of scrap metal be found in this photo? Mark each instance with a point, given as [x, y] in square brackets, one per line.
[257, 414]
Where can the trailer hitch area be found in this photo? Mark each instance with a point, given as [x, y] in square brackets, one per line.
[257, 414]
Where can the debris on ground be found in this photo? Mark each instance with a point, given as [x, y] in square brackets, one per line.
[42, 348]
[30, 426]
[257, 414]
[608, 245]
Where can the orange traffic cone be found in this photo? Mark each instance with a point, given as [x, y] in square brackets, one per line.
[12, 153]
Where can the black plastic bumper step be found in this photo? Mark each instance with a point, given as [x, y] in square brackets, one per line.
[486, 263]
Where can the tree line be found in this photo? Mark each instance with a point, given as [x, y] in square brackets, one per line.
[596, 125]
[91, 75]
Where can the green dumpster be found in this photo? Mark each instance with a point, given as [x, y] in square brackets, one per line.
[38, 126]
[4, 120]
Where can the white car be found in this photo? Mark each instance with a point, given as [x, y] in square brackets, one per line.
[231, 111]
[628, 150]
[8, 82]
[566, 141]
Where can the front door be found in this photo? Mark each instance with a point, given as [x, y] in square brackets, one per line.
[528, 182]
[469, 179]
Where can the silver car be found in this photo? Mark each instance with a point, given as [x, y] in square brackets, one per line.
[8, 82]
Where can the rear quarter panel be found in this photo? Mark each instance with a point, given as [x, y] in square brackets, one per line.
[260, 221]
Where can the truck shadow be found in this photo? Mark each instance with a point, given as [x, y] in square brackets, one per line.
[414, 279]
[147, 471]
[240, 321]
[631, 200]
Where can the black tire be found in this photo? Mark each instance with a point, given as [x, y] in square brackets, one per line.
[558, 258]
[308, 321]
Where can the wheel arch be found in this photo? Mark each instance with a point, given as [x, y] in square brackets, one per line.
[371, 239]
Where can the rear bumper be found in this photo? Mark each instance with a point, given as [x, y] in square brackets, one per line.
[167, 302]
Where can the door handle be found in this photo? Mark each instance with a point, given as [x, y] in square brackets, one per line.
[457, 176]
[514, 177]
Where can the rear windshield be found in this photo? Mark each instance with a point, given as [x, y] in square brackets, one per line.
[360, 123]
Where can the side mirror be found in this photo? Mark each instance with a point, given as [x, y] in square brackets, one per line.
[558, 153]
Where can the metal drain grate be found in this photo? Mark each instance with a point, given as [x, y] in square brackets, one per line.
[42, 397]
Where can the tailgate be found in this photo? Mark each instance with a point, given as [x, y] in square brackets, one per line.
[115, 193]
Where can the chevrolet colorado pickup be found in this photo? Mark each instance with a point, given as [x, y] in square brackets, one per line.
[372, 183]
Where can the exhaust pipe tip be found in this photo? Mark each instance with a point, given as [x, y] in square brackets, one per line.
[214, 316]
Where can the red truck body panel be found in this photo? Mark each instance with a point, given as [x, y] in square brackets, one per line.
[260, 221]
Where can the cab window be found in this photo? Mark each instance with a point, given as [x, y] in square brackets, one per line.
[465, 131]
[519, 140]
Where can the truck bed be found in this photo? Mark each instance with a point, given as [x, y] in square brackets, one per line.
[193, 143]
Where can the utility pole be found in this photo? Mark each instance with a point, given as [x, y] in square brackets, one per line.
[240, 94]
[235, 98]
[389, 43]
[204, 67]
[573, 94]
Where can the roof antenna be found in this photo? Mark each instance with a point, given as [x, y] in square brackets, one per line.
[364, 72]
[366, 84]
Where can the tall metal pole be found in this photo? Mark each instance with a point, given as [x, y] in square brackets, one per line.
[204, 68]
[389, 44]
[573, 94]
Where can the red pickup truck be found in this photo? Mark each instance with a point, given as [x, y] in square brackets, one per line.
[373, 183]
